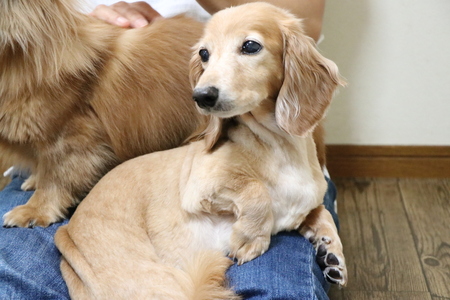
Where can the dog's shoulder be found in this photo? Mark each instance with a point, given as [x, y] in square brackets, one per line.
[212, 174]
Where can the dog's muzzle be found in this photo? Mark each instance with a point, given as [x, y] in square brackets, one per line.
[206, 97]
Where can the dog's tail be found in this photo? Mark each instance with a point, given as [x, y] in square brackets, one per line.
[207, 272]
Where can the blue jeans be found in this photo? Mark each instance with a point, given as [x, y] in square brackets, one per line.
[29, 261]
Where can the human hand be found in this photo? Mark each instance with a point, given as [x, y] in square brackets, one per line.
[123, 14]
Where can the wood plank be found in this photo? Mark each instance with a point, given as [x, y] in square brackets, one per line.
[358, 212]
[405, 273]
[389, 167]
[378, 242]
[336, 293]
[388, 161]
[376, 295]
[386, 150]
[427, 203]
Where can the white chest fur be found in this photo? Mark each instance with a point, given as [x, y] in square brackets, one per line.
[293, 196]
[287, 166]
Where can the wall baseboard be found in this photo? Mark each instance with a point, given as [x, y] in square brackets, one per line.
[388, 161]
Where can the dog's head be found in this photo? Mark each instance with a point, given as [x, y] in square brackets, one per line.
[256, 53]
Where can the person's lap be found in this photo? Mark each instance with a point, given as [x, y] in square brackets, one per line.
[29, 261]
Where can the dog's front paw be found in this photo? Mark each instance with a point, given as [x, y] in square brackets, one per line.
[331, 259]
[245, 249]
[28, 216]
[29, 184]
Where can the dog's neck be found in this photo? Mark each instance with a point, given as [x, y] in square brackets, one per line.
[261, 122]
[40, 45]
[265, 128]
[263, 119]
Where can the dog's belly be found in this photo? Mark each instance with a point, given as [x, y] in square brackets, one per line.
[210, 232]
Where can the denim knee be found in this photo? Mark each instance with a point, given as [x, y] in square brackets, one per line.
[288, 270]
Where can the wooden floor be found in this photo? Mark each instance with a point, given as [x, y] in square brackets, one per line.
[396, 236]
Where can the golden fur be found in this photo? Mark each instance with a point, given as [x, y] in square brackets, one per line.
[78, 96]
[159, 226]
[3, 180]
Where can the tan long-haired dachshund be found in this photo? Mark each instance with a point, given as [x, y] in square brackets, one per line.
[78, 96]
[160, 226]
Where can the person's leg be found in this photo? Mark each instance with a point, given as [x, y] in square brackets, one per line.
[29, 260]
[288, 270]
[329, 200]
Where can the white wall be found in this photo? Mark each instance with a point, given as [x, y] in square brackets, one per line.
[395, 55]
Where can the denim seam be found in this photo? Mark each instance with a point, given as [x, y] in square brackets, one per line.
[311, 279]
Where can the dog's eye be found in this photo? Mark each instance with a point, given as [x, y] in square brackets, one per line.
[204, 55]
[251, 47]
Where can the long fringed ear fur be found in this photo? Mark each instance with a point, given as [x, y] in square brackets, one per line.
[309, 82]
[195, 67]
[212, 129]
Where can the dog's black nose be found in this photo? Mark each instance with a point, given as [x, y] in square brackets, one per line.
[206, 97]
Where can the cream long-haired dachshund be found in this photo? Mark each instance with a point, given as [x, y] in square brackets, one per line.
[78, 96]
[160, 226]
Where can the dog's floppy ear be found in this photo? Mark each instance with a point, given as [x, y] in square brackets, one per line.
[195, 68]
[309, 82]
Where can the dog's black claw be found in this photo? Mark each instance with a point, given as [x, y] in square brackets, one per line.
[31, 224]
[9, 226]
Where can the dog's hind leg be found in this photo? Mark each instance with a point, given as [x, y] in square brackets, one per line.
[116, 260]
[320, 229]
[77, 289]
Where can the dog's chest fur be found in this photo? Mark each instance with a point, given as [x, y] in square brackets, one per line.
[291, 179]
[24, 122]
[283, 165]
[289, 168]
[294, 195]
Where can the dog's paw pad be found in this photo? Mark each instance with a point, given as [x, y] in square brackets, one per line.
[325, 258]
[335, 276]
[331, 261]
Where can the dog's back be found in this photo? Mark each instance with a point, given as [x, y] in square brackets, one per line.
[151, 65]
[78, 96]
[135, 81]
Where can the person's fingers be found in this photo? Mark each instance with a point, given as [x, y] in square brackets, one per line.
[138, 14]
[127, 11]
[109, 15]
[146, 10]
